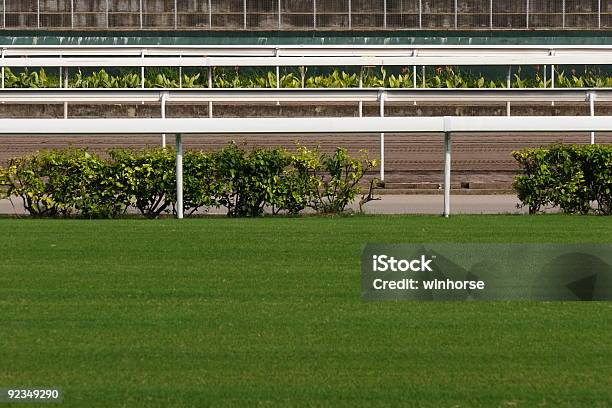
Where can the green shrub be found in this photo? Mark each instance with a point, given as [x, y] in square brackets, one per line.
[249, 180]
[572, 177]
[147, 178]
[74, 182]
[201, 188]
[63, 182]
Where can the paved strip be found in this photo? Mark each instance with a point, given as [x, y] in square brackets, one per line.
[391, 204]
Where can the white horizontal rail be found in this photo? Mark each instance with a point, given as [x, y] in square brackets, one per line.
[594, 58]
[394, 95]
[297, 50]
[447, 124]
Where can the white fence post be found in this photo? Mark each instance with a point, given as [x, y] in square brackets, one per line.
[384, 13]
[314, 14]
[527, 15]
[592, 97]
[142, 70]
[360, 87]
[210, 85]
[72, 13]
[280, 22]
[3, 51]
[381, 98]
[107, 14]
[175, 14]
[38, 13]
[140, 14]
[456, 13]
[179, 176]
[163, 116]
[563, 13]
[244, 14]
[491, 14]
[209, 14]
[447, 173]
[509, 84]
[420, 14]
[350, 12]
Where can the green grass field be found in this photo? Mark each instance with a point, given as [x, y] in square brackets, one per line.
[267, 312]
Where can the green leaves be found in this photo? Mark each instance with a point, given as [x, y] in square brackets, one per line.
[75, 182]
[372, 77]
[576, 178]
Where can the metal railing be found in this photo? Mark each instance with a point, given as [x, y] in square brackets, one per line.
[307, 14]
[447, 125]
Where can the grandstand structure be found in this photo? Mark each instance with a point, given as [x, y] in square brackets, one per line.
[288, 15]
[551, 38]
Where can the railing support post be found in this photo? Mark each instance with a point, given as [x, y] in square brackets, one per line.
[163, 116]
[592, 97]
[360, 106]
[142, 71]
[179, 176]
[447, 173]
[210, 85]
[381, 97]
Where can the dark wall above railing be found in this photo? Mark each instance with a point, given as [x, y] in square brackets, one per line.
[290, 15]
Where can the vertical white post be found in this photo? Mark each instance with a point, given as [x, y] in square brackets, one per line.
[456, 13]
[563, 5]
[175, 14]
[360, 86]
[210, 14]
[545, 75]
[180, 74]
[382, 137]
[140, 14]
[447, 173]
[61, 75]
[210, 85]
[3, 13]
[314, 14]
[598, 13]
[527, 15]
[65, 110]
[491, 14]
[72, 13]
[350, 14]
[384, 13]
[3, 51]
[279, 15]
[420, 14]
[179, 176]
[142, 70]
[244, 14]
[509, 84]
[163, 115]
[38, 13]
[592, 96]
[414, 76]
[107, 14]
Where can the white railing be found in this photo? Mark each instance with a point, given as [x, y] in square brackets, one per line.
[447, 126]
[382, 97]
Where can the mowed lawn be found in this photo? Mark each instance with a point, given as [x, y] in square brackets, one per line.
[267, 312]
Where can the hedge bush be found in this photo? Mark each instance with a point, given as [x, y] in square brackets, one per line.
[576, 178]
[74, 182]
